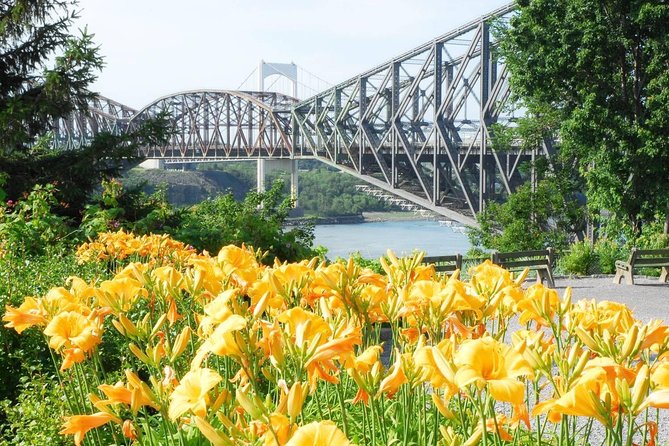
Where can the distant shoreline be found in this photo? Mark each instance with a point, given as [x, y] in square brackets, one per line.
[366, 217]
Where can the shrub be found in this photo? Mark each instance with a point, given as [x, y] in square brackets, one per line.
[119, 207]
[36, 416]
[257, 221]
[608, 252]
[29, 226]
[580, 260]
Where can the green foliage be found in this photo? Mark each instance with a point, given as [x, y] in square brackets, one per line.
[46, 71]
[653, 236]
[3, 180]
[608, 251]
[373, 264]
[323, 191]
[244, 171]
[257, 221]
[528, 220]
[30, 227]
[36, 416]
[580, 260]
[595, 74]
[129, 208]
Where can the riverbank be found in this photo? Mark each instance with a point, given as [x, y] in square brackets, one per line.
[393, 216]
[366, 217]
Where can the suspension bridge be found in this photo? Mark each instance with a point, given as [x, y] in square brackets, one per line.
[419, 126]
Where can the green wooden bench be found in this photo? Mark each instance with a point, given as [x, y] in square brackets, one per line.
[642, 258]
[540, 261]
[444, 264]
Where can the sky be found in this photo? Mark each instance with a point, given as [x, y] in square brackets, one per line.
[153, 48]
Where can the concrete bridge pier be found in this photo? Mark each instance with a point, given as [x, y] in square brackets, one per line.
[152, 163]
[266, 166]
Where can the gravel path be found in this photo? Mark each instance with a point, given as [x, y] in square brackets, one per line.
[648, 298]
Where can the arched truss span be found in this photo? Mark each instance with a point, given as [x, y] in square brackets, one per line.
[102, 115]
[221, 124]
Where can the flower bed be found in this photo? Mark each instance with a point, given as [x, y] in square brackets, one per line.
[228, 351]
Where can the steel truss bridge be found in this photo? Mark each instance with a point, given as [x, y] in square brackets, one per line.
[419, 126]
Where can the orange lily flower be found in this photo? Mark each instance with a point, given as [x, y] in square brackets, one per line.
[28, 314]
[79, 425]
[392, 382]
[75, 333]
[120, 294]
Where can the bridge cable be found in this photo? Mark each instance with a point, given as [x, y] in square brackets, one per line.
[254, 71]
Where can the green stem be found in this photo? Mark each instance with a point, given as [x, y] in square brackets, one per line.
[344, 416]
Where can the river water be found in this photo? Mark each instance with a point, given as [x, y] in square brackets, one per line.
[373, 239]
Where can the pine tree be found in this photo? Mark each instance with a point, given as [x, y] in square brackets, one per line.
[46, 71]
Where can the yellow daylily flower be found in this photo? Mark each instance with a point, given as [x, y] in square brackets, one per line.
[319, 433]
[120, 294]
[583, 399]
[75, 334]
[436, 368]
[539, 303]
[239, 264]
[487, 362]
[392, 382]
[191, 393]
[304, 325]
[660, 375]
[168, 278]
[131, 396]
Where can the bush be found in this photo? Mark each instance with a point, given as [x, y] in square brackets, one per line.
[29, 226]
[119, 207]
[36, 417]
[608, 252]
[580, 260]
[257, 221]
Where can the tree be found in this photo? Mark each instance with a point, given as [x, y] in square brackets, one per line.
[45, 74]
[258, 221]
[530, 219]
[600, 69]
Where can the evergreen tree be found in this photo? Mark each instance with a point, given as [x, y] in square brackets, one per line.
[45, 74]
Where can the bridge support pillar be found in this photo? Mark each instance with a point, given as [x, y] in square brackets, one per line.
[286, 165]
[152, 164]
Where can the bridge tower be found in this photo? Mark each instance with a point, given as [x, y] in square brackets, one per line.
[288, 71]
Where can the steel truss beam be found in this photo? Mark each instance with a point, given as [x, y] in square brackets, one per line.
[221, 125]
[422, 124]
[102, 115]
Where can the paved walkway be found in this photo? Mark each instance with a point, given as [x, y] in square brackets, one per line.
[648, 298]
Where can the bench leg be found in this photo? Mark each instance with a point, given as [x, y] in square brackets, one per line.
[620, 273]
[664, 274]
[546, 276]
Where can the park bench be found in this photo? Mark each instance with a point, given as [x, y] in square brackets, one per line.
[444, 264]
[540, 261]
[642, 258]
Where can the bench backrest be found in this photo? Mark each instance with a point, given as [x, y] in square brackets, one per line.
[649, 257]
[522, 259]
[444, 264]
